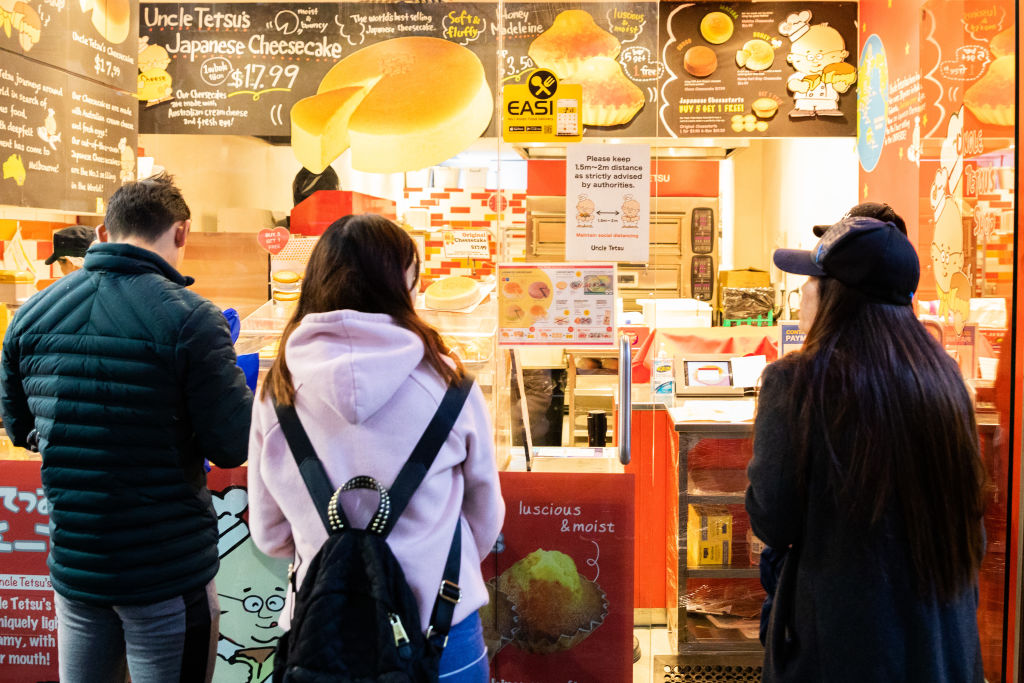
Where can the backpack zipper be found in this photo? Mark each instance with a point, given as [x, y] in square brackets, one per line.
[401, 637]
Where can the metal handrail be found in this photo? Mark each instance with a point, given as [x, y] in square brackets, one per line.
[625, 398]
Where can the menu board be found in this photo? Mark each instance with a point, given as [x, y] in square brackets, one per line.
[765, 69]
[65, 143]
[566, 304]
[92, 38]
[609, 49]
[240, 68]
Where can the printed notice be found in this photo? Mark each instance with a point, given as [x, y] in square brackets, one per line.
[607, 202]
[467, 244]
[563, 304]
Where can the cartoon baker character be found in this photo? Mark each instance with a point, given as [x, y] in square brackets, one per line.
[818, 54]
[127, 161]
[251, 588]
[154, 83]
[952, 281]
[630, 212]
[585, 212]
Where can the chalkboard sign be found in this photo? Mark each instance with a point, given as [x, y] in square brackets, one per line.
[239, 68]
[92, 38]
[759, 69]
[65, 143]
[609, 48]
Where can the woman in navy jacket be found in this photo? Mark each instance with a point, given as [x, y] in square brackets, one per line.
[866, 472]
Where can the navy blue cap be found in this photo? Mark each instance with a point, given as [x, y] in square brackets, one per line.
[863, 253]
[882, 212]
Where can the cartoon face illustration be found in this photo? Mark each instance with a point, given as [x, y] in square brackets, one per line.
[818, 47]
[948, 246]
[251, 589]
[585, 211]
[630, 208]
[153, 57]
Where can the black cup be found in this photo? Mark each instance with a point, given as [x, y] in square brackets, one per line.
[597, 428]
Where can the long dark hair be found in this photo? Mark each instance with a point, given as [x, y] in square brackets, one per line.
[360, 263]
[883, 400]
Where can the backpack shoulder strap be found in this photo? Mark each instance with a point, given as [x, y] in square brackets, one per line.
[426, 450]
[310, 467]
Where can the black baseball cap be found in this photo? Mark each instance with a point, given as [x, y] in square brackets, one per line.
[863, 253]
[882, 212]
[72, 241]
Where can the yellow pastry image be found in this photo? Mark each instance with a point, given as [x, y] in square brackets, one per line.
[839, 73]
[700, 61]
[573, 38]
[28, 24]
[756, 55]
[1003, 43]
[990, 98]
[112, 18]
[396, 112]
[513, 289]
[499, 619]
[452, 293]
[286, 281]
[514, 313]
[557, 607]
[716, 27]
[761, 126]
[764, 107]
[609, 97]
[320, 126]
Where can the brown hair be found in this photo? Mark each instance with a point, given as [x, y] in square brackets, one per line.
[360, 264]
[877, 395]
[145, 208]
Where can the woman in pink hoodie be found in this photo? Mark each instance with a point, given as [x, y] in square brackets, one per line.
[365, 375]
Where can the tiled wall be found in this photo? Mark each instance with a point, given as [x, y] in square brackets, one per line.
[503, 214]
[36, 245]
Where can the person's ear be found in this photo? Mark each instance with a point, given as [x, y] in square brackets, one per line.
[181, 233]
[101, 233]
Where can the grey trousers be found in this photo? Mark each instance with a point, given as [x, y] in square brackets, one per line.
[168, 641]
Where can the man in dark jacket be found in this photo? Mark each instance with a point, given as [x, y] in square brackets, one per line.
[126, 381]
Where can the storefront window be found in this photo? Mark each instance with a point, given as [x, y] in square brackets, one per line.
[573, 175]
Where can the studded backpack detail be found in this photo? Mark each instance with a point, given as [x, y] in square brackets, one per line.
[355, 618]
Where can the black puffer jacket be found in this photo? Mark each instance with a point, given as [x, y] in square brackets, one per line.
[130, 380]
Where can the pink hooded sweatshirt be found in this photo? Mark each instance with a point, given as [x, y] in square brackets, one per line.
[364, 395]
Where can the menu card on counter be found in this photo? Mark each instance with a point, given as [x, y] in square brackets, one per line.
[567, 304]
[91, 38]
[65, 143]
[764, 69]
[239, 68]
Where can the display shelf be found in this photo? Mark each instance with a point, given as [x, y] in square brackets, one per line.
[719, 478]
[716, 486]
[741, 570]
[702, 634]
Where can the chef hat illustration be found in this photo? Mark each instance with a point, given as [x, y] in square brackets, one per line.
[143, 43]
[951, 164]
[796, 25]
[232, 530]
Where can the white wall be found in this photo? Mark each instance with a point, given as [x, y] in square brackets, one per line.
[782, 188]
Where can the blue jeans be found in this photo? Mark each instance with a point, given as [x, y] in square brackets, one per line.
[167, 641]
[464, 659]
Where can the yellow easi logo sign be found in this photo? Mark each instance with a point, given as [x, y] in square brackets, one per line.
[542, 110]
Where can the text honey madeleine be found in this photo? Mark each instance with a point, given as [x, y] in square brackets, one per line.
[408, 117]
[573, 38]
[700, 61]
[609, 97]
[716, 27]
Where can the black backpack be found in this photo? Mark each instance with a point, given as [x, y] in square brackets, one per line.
[355, 618]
